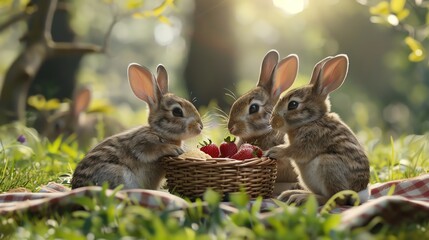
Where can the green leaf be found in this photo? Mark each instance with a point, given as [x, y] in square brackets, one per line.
[397, 5]
[391, 190]
[403, 14]
[239, 199]
[413, 43]
[211, 197]
[164, 19]
[161, 8]
[52, 104]
[311, 205]
[55, 146]
[380, 9]
[331, 223]
[256, 206]
[37, 101]
[133, 4]
[69, 151]
[418, 53]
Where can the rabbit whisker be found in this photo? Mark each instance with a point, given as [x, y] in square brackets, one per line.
[221, 112]
[230, 94]
[223, 119]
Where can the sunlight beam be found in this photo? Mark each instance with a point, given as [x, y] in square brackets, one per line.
[291, 7]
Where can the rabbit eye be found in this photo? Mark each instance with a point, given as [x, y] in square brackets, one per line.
[177, 112]
[292, 105]
[254, 108]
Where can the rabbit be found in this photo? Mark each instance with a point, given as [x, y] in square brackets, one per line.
[75, 120]
[133, 158]
[250, 114]
[326, 153]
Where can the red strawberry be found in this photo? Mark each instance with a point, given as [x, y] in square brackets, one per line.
[246, 145]
[228, 147]
[210, 148]
[243, 153]
[257, 151]
[247, 151]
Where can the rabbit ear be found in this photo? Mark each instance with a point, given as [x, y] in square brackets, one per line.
[143, 84]
[317, 68]
[267, 68]
[285, 75]
[162, 78]
[81, 101]
[332, 74]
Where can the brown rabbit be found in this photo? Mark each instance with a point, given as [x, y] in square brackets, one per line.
[325, 152]
[249, 117]
[133, 158]
[75, 120]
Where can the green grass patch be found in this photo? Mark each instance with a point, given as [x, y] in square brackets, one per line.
[33, 162]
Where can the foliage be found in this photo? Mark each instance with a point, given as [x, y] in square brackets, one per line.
[31, 162]
[408, 16]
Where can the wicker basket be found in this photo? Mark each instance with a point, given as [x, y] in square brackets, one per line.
[191, 177]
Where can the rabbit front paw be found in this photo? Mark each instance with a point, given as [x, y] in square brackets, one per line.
[297, 197]
[276, 152]
[172, 150]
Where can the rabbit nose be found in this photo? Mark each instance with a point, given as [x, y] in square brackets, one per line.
[231, 128]
[200, 126]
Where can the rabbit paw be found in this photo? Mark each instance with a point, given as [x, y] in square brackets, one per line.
[297, 197]
[275, 152]
[296, 186]
[173, 150]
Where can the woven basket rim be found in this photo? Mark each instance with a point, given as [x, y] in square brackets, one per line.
[190, 177]
[220, 161]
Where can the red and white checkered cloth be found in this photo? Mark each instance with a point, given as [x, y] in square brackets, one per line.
[56, 197]
[408, 203]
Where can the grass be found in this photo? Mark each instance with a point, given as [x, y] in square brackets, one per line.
[35, 162]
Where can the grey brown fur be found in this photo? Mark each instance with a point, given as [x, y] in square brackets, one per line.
[324, 150]
[255, 127]
[133, 158]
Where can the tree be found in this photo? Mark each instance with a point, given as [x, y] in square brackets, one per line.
[56, 77]
[210, 68]
[39, 46]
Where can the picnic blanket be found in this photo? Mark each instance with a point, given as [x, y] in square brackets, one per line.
[408, 202]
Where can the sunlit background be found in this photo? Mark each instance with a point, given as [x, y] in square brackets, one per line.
[384, 91]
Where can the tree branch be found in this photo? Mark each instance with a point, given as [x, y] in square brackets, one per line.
[69, 48]
[49, 17]
[15, 18]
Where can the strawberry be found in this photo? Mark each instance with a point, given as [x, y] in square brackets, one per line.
[257, 151]
[247, 151]
[210, 148]
[246, 145]
[227, 147]
[243, 153]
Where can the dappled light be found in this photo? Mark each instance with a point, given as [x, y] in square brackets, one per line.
[291, 6]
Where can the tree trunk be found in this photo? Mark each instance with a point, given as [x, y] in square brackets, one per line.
[39, 46]
[56, 77]
[212, 55]
[19, 76]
